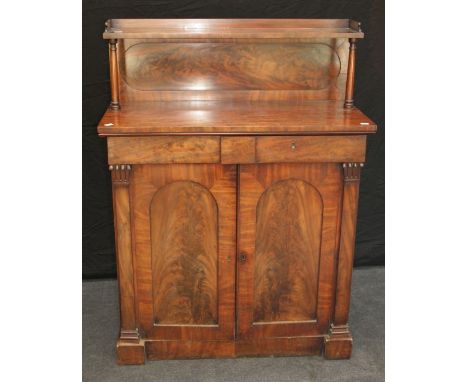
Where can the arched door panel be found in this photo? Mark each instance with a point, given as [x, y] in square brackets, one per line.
[288, 221]
[185, 241]
[287, 251]
[184, 250]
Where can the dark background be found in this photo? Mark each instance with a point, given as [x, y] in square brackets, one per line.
[98, 234]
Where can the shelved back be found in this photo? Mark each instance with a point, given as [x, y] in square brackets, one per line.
[164, 60]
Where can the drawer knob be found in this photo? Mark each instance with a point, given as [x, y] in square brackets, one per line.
[242, 257]
[293, 146]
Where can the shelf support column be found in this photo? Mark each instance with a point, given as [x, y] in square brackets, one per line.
[349, 97]
[114, 75]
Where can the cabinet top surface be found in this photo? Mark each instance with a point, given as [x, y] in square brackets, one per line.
[234, 118]
[231, 28]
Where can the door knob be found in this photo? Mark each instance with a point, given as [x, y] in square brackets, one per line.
[242, 257]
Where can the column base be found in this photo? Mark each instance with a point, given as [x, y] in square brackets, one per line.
[349, 104]
[130, 353]
[339, 343]
[115, 106]
[130, 348]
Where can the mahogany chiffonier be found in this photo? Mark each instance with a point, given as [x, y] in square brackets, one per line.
[235, 152]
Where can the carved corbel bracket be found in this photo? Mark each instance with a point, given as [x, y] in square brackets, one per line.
[120, 174]
[352, 171]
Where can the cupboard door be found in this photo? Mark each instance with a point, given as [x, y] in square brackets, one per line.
[288, 224]
[184, 218]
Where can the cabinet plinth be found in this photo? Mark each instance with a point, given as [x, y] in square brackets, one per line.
[235, 173]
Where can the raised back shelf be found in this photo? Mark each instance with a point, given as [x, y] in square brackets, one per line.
[232, 76]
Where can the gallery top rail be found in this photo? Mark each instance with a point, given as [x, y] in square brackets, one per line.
[231, 28]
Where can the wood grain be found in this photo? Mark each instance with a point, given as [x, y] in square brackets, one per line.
[130, 353]
[230, 28]
[140, 150]
[225, 66]
[242, 69]
[347, 244]
[184, 227]
[190, 349]
[114, 75]
[349, 97]
[338, 349]
[310, 149]
[289, 346]
[287, 251]
[293, 346]
[237, 150]
[254, 181]
[234, 215]
[235, 118]
[121, 176]
[339, 343]
[219, 182]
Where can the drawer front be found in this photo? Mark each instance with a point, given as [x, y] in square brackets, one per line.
[145, 150]
[310, 149]
[236, 150]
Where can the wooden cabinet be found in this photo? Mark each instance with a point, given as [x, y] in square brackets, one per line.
[235, 185]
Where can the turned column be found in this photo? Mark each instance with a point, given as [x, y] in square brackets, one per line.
[130, 348]
[338, 343]
[349, 95]
[114, 74]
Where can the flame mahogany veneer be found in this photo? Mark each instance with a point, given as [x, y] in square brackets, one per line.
[235, 151]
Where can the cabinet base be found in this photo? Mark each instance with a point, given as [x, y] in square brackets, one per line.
[130, 353]
[135, 353]
[339, 343]
[338, 348]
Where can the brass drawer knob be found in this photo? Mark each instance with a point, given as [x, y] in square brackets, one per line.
[293, 146]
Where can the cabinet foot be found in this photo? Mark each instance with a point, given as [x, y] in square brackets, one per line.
[130, 353]
[339, 343]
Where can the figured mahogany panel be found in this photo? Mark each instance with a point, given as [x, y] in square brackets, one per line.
[211, 66]
[310, 149]
[184, 220]
[287, 251]
[288, 237]
[184, 225]
[236, 150]
[140, 150]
